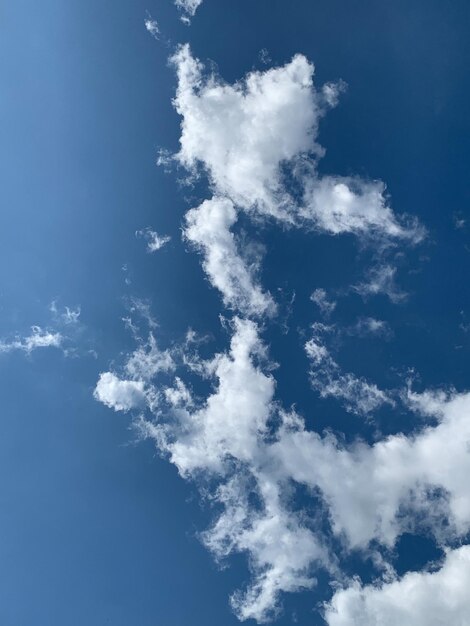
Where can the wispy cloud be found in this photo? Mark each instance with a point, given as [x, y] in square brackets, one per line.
[233, 432]
[152, 27]
[381, 280]
[241, 134]
[188, 8]
[154, 241]
[66, 315]
[373, 493]
[37, 338]
[355, 393]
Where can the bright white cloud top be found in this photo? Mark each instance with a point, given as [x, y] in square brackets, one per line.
[243, 137]
[244, 134]
[418, 599]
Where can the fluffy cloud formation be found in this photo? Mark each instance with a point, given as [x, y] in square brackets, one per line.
[375, 492]
[381, 280]
[350, 205]
[242, 133]
[223, 437]
[233, 418]
[208, 227]
[117, 394]
[417, 599]
[249, 135]
[281, 548]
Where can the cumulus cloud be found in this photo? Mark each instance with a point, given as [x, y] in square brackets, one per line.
[256, 140]
[350, 205]
[248, 134]
[326, 377]
[242, 133]
[417, 599]
[232, 419]
[68, 315]
[282, 550]
[239, 437]
[117, 394]
[153, 239]
[208, 227]
[375, 492]
[223, 437]
[133, 389]
[38, 338]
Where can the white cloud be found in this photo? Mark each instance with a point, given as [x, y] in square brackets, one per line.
[152, 27]
[381, 280]
[256, 141]
[417, 599]
[134, 389]
[254, 453]
[208, 227]
[375, 492]
[281, 549]
[188, 7]
[357, 395]
[320, 298]
[350, 205]
[154, 240]
[117, 394]
[232, 419]
[222, 437]
[246, 134]
[242, 133]
[38, 338]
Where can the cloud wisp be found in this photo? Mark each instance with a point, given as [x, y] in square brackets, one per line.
[356, 394]
[37, 338]
[154, 241]
[188, 9]
[208, 227]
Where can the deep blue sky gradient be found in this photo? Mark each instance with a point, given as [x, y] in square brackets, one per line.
[95, 528]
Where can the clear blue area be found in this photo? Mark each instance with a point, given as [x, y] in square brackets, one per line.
[95, 528]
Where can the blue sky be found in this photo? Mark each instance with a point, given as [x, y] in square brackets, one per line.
[264, 416]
